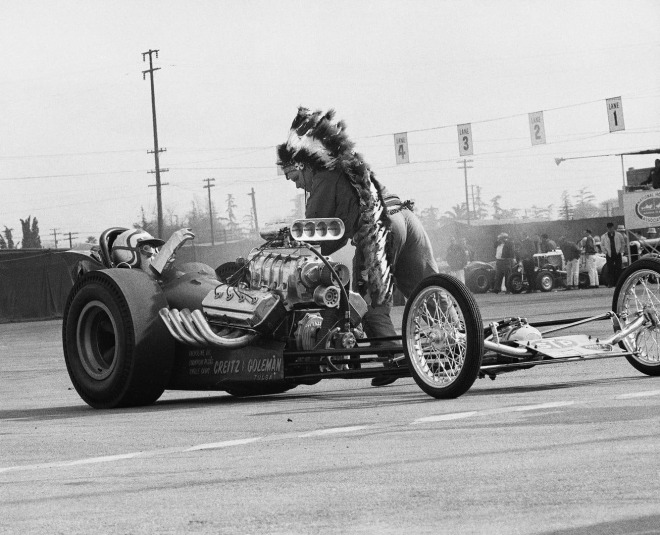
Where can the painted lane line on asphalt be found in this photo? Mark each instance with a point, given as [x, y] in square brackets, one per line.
[76, 462]
[645, 394]
[124, 456]
[335, 430]
[540, 406]
[225, 444]
[521, 408]
[444, 417]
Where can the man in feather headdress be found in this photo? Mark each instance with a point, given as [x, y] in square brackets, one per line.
[390, 241]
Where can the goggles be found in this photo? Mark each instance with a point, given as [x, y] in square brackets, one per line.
[295, 166]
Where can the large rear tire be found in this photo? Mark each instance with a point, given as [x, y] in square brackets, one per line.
[443, 337]
[118, 351]
[479, 281]
[638, 288]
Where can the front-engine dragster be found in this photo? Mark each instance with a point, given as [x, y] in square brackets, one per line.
[285, 315]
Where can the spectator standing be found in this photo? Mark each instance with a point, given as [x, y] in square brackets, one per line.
[527, 251]
[457, 259]
[572, 257]
[589, 249]
[504, 259]
[468, 250]
[547, 245]
[613, 245]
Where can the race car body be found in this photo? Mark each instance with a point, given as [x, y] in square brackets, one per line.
[285, 316]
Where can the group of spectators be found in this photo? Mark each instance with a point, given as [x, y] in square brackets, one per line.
[612, 243]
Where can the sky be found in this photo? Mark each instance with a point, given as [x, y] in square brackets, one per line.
[76, 113]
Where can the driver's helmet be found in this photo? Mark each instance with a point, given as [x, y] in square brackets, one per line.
[132, 246]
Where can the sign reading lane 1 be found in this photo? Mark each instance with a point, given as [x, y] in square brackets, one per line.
[465, 139]
[536, 128]
[615, 114]
[401, 148]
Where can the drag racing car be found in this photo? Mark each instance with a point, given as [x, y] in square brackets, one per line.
[285, 316]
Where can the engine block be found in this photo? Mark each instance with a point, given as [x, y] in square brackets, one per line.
[297, 276]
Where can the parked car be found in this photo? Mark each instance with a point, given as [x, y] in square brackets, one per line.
[554, 261]
[547, 273]
[480, 276]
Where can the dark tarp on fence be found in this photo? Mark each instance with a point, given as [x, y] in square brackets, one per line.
[34, 283]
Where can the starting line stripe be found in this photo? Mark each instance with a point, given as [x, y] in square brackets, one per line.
[320, 432]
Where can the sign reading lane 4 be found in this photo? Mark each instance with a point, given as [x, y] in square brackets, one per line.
[615, 114]
[401, 148]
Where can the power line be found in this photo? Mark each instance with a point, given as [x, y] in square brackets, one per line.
[254, 209]
[54, 234]
[156, 150]
[70, 234]
[208, 187]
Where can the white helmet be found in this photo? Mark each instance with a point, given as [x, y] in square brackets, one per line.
[131, 246]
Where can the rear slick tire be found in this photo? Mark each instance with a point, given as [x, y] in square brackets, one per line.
[443, 350]
[117, 350]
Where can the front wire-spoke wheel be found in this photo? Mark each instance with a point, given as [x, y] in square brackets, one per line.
[443, 336]
[638, 291]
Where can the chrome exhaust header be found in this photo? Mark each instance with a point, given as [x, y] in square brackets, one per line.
[191, 328]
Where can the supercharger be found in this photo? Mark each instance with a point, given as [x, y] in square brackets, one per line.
[286, 286]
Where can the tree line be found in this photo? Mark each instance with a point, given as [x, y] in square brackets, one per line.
[577, 206]
[31, 238]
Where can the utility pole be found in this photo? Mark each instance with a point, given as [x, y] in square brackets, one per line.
[156, 151]
[254, 210]
[54, 233]
[474, 206]
[71, 234]
[467, 202]
[209, 186]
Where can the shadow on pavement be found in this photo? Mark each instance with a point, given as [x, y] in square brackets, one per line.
[644, 525]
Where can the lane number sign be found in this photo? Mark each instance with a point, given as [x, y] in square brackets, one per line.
[615, 114]
[465, 139]
[401, 148]
[537, 128]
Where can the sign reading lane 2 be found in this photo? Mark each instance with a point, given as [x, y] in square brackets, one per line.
[465, 139]
[537, 128]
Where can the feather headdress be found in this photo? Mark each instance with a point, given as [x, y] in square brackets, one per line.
[315, 140]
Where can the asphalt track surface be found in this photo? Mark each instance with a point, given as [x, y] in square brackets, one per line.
[567, 449]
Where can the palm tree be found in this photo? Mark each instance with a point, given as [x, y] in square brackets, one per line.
[458, 211]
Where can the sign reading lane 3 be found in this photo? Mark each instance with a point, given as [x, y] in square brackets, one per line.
[465, 139]
[615, 114]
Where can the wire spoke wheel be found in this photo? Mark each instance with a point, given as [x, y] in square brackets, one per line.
[637, 291]
[443, 337]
